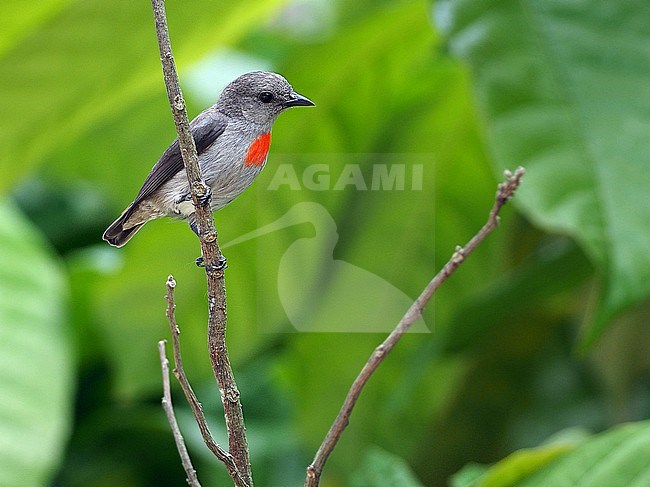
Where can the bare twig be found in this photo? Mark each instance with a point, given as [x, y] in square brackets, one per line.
[192, 480]
[505, 191]
[197, 408]
[237, 443]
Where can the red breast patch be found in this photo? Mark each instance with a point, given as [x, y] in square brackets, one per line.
[258, 150]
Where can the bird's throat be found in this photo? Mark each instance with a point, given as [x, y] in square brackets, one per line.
[258, 150]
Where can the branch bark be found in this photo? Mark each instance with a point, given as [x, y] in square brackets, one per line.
[505, 191]
[195, 405]
[237, 443]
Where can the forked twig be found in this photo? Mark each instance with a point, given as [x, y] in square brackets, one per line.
[195, 405]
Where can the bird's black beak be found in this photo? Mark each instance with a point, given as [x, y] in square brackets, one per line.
[298, 100]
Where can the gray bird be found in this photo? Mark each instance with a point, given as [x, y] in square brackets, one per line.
[232, 141]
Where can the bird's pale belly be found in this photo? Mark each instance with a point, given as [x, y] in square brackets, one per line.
[227, 186]
[227, 183]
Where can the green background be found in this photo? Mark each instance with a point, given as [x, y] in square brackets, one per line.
[539, 343]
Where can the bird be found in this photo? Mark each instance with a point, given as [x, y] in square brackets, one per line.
[232, 140]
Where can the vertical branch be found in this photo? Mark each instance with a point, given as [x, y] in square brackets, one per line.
[506, 190]
[238, 445]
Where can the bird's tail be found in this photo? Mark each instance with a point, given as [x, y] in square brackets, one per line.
[116, 234]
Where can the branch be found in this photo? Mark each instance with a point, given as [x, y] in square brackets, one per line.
[195, 405]
[505, 191]
[238, 445]
[192, 480]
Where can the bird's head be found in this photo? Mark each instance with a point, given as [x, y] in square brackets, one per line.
[259, 97]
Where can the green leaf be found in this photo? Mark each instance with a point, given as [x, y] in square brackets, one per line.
[521, 463]
[35, 356]
[468, 476]
[617, 457]
[380, 468]
[564, 90]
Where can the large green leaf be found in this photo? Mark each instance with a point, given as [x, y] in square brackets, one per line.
[65, 70]
[615, 458]
[565, 91]
[35, 356]
[515, 466]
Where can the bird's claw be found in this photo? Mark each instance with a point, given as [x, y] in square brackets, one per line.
[222, 263]
[201, 200]
[204, 199]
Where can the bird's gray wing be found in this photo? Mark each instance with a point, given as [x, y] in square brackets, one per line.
[206, 127]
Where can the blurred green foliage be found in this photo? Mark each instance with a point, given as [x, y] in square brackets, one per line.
[544, 328]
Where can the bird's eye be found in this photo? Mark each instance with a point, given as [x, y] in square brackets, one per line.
[266, 97]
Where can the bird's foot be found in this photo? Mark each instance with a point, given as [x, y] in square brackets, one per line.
[222, 263]
[201, 200]
[204, 199]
